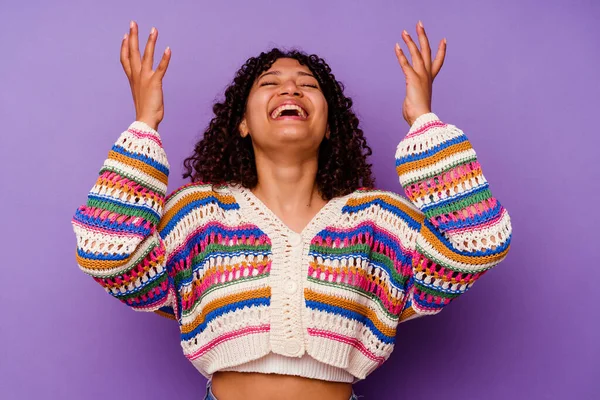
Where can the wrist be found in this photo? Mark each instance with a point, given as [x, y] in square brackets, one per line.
[148, 121]
[412, 119]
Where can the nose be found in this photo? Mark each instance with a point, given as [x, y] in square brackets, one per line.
[289, 87]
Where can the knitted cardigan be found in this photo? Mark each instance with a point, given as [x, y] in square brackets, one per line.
[323, 303]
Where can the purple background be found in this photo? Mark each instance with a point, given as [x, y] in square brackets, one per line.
[520, 79]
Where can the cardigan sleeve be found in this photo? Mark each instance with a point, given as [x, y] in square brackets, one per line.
[465, 230]
[117, 229]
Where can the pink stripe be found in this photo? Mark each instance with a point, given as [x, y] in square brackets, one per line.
[105, 231]
[228, 336]
[348, 340]
[184, 244]
[488, 224]
[425, 127]
[146, 135]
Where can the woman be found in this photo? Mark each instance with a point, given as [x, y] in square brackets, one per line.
[286, 272]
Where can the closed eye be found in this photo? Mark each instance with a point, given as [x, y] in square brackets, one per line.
[273, 83]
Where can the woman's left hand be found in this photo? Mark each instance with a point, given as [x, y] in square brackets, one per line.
[419, 75]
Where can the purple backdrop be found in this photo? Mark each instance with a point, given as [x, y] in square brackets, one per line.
[520, 79]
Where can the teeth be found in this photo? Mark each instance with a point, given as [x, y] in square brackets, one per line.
[277, 112]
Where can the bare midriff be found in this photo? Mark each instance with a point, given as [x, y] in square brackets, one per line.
[231, 385]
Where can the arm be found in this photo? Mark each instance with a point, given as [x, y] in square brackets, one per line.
[118, 241]
[465, 230]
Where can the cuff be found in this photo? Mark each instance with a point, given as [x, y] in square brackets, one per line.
[140, 126]
[422, 121]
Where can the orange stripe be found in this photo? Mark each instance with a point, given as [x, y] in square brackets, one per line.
[409, 312]
[223, 301]
[109, 183]
[165, 314]
[426, 190]
[390, 200]
[139, 165]
[350, 305]
[187, 199]
[470, 260]
[448, 151]
[106, 265]
[362, 273]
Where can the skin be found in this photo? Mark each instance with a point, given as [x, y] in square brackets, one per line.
[286, 160]
[286, 151]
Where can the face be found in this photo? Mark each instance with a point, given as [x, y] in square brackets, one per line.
[286, 107]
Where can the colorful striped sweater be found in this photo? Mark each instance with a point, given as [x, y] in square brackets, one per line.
[249, 294]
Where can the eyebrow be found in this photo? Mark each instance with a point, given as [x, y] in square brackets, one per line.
[301, 73]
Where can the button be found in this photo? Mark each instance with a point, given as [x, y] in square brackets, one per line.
[295, 239]
[292, 348]
[290, 286]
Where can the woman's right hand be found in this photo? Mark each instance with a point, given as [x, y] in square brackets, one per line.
[146, 84]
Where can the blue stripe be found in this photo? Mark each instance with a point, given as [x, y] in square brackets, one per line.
[432, 151]
[381, 235]
[185, 210]
[216, 230]
[145, 159]
[114, 226]
[479, 253]
[456, 198]
[317, 305]
[140, 289]
[386, 206]
[259, 301]
[116, 202]
[101, 257]
[489, 214]
[375, 263]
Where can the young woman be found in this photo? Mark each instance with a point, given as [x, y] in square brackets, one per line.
[287, 272]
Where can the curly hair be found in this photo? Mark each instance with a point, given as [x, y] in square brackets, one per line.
[223, 156]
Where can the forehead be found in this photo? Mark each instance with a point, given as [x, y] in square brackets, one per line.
[288, 65]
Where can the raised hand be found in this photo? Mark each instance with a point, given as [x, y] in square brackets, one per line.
[146, 84]
[419, 75]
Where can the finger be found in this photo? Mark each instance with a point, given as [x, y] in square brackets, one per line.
[425, 49]
[439, 59]
[134, 50]
[164, 63]
[148, 59]
[125, 56]
[415, 54]
[406, 67]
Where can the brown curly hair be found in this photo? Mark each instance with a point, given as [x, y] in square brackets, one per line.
[224, 156]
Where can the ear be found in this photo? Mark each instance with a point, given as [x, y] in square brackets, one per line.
[243, 128]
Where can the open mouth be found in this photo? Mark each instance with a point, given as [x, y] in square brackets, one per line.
[289, 111]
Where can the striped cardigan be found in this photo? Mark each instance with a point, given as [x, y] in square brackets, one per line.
[243, 287]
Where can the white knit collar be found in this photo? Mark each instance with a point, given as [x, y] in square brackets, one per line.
[263, 217]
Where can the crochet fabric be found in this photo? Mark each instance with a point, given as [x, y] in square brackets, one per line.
[242, 285]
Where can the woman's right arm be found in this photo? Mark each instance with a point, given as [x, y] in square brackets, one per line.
[118, 240]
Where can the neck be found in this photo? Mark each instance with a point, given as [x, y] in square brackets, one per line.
[287, 184]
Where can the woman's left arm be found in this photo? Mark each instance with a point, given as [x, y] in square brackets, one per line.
[465, 230]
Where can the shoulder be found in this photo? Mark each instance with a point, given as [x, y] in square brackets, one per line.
[201, 193]
[382, 203]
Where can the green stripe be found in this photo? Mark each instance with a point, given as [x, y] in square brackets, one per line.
[123, 210]
[357, 248]
[223, 285]
[460, 204]
[138, 292]
[137, 180]
[362, 292]
[437, 293]
[437, 261]
[436, 172]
